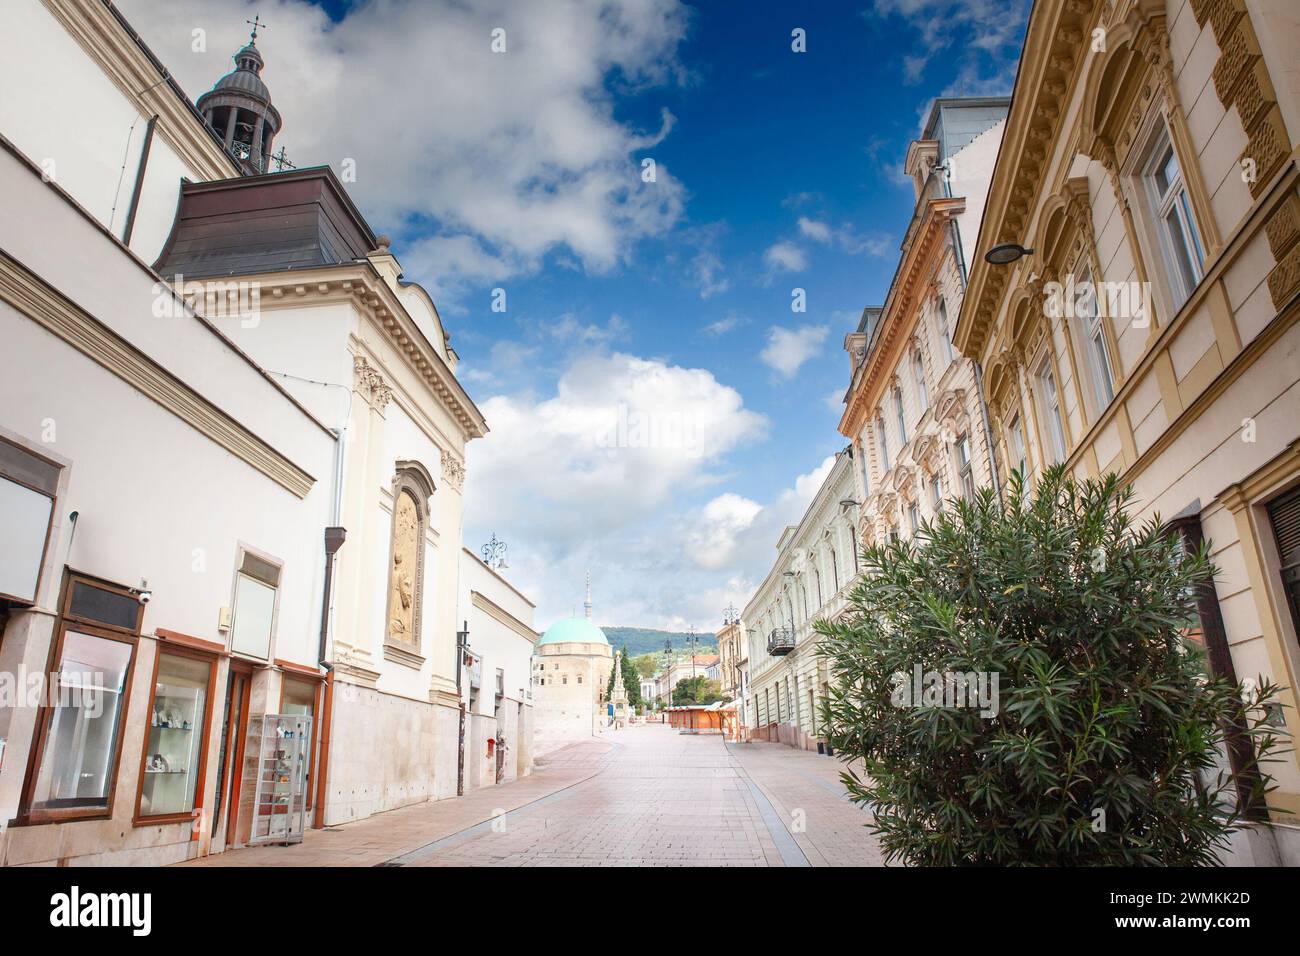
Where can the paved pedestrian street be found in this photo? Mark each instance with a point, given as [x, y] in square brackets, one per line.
[644, 796]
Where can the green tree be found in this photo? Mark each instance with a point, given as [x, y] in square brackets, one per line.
[697, 690]
[1101, 741]
[631, 680]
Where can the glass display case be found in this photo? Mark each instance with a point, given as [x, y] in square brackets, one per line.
[280, 804]
[174, 739]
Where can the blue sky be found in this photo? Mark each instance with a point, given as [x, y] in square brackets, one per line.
[521, 171]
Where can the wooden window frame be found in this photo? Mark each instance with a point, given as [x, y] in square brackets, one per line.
[212, 659]
[39, 816]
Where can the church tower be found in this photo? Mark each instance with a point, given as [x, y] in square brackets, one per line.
[239, 109]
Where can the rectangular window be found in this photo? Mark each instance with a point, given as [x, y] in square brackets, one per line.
[941, 324]
[865, 469]
[965, 474]
[882, 442]
[1050, 408]
[914, 517]
[79, 730]
[28, 485]
[174, 746]
[256, 583]
[902, 421]
[1016, 443]
[918, 371]
[1171, 209]
[1097, 356]
[936, 493]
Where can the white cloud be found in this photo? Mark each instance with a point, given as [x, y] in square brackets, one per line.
[504, 156]
[984, 35]
[788, 349]
[817, 231]
[711, 539]
[591, 475]
[785, 256]
[724, 325]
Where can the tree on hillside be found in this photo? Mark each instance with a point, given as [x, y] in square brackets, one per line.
[1020, 685]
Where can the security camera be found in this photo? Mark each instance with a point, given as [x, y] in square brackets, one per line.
[144, 596]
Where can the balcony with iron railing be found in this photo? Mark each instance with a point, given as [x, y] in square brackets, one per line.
[780, 642]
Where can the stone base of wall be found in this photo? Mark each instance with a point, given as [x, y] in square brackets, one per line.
[787, 734]
[387, 752]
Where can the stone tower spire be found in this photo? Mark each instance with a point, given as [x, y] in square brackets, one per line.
[587, 604]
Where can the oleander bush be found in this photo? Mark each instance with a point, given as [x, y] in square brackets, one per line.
[1084, 728]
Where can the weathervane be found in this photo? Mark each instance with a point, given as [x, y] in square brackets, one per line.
[494, 554]
[257, 25]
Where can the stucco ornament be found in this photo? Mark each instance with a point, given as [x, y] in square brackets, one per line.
[401, 584]
[453, 471]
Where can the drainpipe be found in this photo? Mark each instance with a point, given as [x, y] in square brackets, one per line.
[334, 538]
[462, 645]
[139, 181]
[979, 369]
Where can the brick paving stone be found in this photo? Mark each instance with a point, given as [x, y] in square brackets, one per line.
[644, 796]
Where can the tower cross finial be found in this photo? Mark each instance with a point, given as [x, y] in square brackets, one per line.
[257, 25]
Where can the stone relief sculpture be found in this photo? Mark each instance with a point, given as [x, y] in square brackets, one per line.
[401, 585]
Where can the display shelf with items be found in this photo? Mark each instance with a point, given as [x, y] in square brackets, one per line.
[174, 738]
[280, 805]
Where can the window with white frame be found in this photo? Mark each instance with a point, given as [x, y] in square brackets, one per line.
[1050, 410]
[902, 419]
[965, 473]
[918, 370]
[864, 468]
[941, 325]
[882, 443]
[253, 624]
[1171, 208]
[1016, 443]
[936, 492]
[1096, 352]
[914, 517]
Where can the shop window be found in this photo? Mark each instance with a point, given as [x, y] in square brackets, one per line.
[171, 769]
[298, 697]
[79, 730]
[1171, 209]
[256, 585]
[28, 486]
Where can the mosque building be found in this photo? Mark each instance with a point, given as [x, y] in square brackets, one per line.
[571, 669]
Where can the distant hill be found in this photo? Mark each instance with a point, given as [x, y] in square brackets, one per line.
[646, 640]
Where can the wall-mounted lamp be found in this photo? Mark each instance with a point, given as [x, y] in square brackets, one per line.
[1006, 253]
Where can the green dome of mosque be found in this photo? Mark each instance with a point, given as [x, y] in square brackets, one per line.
[574, 630]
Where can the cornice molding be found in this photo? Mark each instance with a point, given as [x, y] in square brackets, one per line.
[43, 304]
[108, 43]
[502, 616]
[366, 290]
